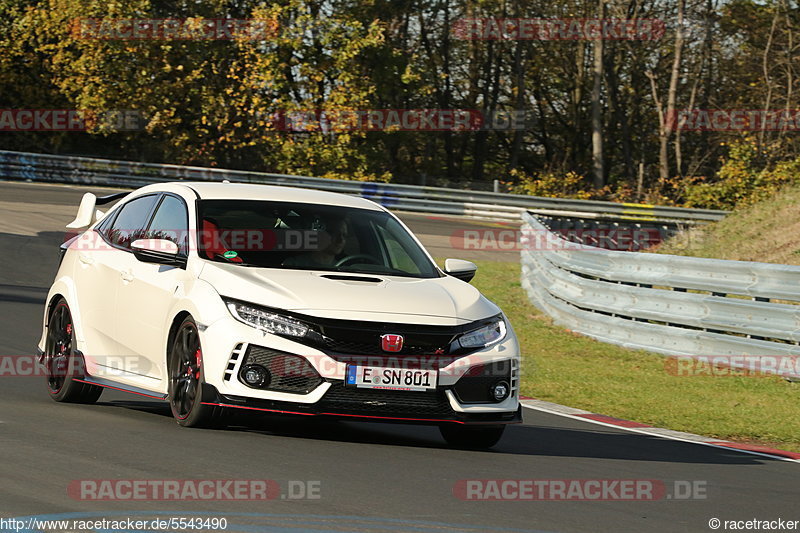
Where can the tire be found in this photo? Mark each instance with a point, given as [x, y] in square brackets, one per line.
[186, 381]
[63, 365]
[471, 438]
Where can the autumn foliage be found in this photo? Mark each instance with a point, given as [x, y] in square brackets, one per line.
[214, 102]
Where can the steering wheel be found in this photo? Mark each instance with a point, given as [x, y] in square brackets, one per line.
[349, 258]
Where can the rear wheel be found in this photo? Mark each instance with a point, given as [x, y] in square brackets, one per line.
[186, 383]
[470, 437]
[62, 364]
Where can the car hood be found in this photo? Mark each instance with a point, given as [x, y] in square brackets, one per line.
[441, 301]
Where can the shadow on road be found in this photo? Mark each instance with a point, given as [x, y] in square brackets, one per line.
[530, 440]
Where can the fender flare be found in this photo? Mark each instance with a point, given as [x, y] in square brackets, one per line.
[202, 302]
[63, 287]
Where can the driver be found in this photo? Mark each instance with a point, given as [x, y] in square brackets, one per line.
[333, 235]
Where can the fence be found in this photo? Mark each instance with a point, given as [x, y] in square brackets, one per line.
[663, 303]
[100, 172]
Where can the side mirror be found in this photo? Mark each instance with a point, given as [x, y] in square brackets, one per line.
[159, 251]
[458, 268]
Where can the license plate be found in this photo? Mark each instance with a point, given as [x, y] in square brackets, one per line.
[378, 377]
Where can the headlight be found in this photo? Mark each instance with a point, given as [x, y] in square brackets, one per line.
[485, 336]
[266, 320]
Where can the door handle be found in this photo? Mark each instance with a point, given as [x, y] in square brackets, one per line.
[127, 276]
[85, 259]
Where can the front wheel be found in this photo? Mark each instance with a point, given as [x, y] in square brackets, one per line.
[187, 380]
[61, 362]
[471, 437]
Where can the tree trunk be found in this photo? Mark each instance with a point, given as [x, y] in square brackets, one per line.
[520, 53]
[664, 131]
[598, 177]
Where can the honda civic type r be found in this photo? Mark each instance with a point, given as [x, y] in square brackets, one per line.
[224, 296]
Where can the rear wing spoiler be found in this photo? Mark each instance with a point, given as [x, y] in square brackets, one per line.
[86, 209]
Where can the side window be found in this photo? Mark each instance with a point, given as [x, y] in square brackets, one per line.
[131, 221]
[171, 222]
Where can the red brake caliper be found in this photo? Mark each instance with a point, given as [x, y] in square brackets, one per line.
[63, 350]
[198, 360]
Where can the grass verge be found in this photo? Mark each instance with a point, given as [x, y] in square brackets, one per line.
[577, 371]
[766, 232]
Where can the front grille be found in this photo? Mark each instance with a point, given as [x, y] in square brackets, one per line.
[475, 386]
[404, 404]
[288, 372]
[365, 342]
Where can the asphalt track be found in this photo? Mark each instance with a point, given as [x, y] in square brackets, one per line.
[372, 477]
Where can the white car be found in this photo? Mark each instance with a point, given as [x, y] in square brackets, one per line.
[224, 296]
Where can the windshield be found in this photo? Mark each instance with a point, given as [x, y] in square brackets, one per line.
[309, 237]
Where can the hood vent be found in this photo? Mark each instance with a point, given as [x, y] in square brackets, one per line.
[339, 277]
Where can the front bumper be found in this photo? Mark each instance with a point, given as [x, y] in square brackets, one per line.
[356, 405]
[228, 342]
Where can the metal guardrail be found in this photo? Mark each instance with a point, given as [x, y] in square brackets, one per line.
[92, 171]
[644, 301]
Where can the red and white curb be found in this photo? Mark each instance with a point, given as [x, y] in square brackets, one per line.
[645, 429]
